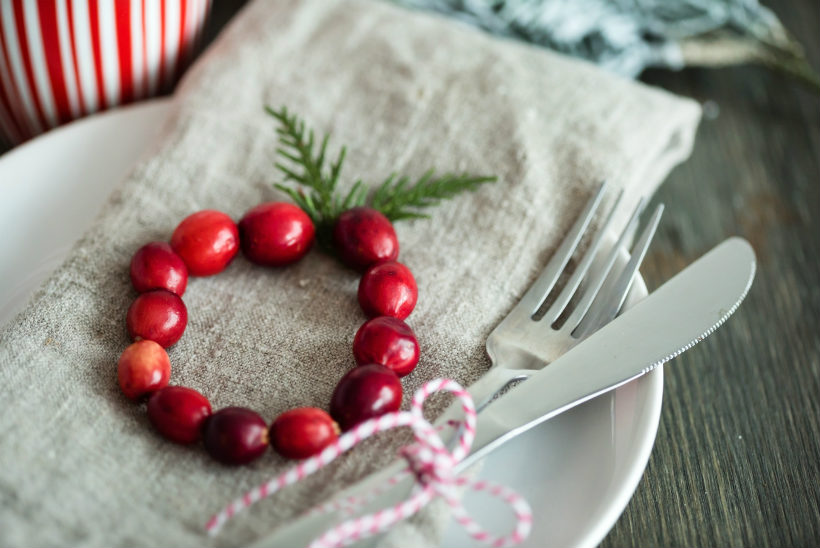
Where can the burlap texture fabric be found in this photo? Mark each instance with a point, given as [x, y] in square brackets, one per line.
[80, 464]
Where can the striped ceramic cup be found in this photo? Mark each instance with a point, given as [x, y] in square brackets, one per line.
[63, 59]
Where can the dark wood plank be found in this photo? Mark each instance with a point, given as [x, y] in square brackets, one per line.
[737, 457]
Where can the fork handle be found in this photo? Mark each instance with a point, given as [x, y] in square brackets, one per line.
[484, 390]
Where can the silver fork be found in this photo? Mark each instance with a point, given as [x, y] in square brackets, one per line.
[525, 340]
[529, 338]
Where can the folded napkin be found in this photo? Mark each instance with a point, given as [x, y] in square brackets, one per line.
[80, 464]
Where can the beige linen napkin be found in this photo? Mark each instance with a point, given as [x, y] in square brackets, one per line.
[80, 464]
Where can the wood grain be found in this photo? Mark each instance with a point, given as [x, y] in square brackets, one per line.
[737, 456]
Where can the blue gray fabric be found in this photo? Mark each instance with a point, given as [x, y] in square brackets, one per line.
[623, 36]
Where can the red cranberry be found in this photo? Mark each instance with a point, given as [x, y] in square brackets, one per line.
[207, 241]
[365, 392]
[142, 368]
[389, 342]
[388, 289]
[235, 435]
[178, 413]
[275, 234]
[158, 316]
[156, 266]
[303, 432]
[364, 237]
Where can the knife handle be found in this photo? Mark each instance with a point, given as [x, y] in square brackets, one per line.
[304, 529]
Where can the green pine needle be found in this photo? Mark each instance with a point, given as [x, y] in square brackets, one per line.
[316, 191]
[307, 168]
[398, 201]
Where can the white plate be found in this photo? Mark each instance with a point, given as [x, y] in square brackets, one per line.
[578, 471]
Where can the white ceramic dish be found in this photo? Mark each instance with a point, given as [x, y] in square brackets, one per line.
[578, 470]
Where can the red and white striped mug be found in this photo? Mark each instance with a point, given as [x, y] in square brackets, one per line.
[63, 59]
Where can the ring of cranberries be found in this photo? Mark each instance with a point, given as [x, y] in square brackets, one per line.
[271, 234]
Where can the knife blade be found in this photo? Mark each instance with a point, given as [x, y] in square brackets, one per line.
[675, 317]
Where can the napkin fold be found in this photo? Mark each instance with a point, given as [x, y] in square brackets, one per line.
[80, 464]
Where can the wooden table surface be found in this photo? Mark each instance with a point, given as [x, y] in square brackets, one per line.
[737, 456]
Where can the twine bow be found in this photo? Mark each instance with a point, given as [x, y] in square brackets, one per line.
[428, 460]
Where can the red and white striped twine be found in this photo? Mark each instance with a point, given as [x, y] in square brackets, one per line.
[63, 59]
[428, 459]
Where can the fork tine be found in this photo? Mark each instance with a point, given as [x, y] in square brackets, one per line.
[606, 308]
[540, 288]
[569, 289]
[594, 286]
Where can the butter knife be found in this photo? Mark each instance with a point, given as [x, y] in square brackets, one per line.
[678, 315]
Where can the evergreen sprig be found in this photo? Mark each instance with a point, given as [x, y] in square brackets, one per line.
[320, 201]
[399, 201]
[317, 180]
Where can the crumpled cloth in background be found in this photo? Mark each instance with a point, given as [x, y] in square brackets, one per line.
[628, 36]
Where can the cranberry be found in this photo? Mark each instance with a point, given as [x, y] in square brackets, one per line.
[158, 316]
[389, 342]
[156, 266]
[207, 241]
[303, 432]
[364, 237]
[142, 368]
[365, 392]
[235, 435]
[178, 413]
[388, 289]
[275, 234]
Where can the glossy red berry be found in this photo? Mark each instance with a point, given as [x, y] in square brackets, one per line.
[275, 234]
[388, 289]
[235, 435]
[365, 392]
[178, 413]
[156, 266]
[207, 241]
[389, 342]
[143, 367]
[158, 316]
[364, 237]
[303, 432]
